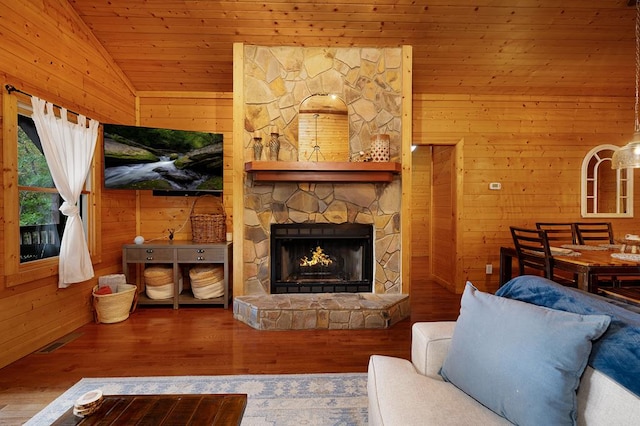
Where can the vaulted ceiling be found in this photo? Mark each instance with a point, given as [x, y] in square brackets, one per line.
[567, 47]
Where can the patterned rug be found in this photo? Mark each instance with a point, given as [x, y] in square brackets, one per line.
[289, 399]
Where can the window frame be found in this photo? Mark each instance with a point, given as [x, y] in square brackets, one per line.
[15, 272]
[623, 177]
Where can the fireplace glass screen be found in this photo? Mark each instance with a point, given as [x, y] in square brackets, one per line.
[321, 258]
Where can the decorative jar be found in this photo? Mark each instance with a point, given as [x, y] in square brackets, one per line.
[380, 151]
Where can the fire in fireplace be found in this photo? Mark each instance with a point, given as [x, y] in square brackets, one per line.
[321, 258]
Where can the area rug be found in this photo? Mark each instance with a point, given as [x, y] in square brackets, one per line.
[283, 399]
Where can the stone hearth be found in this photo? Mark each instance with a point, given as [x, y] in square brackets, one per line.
[333, 311]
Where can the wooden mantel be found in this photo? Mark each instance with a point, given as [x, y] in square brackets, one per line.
[322, 171]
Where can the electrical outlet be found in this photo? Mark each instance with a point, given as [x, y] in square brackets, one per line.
[488, 269]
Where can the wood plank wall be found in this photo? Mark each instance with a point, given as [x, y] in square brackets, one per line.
[534, 147]
[443, 225]
[209, 112]
[47, 51]
[420, 202]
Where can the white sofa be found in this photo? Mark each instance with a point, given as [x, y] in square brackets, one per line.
[407, 393]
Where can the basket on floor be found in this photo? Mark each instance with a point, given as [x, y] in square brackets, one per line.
[115, 307]
[208, 227]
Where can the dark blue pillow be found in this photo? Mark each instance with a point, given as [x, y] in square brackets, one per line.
[520, 360]
[617, 352]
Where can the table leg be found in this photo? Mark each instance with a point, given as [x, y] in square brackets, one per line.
[176, 285]
[583, 281]
[506, 265]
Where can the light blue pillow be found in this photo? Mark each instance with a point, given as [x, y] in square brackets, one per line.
[520, 360]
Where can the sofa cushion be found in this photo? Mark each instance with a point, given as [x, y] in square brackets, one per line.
[398, 395]
[522, 361]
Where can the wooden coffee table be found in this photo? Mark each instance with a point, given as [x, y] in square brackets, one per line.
[207, 409]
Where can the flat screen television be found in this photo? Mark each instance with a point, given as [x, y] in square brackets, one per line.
[167, 161]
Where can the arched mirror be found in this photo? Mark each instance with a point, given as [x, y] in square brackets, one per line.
[323, 129]
[605, 192]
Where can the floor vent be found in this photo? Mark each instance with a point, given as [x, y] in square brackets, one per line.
[59, 343]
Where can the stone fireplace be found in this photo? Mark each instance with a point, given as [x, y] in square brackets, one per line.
[321, 258]
[276, 81]
[320, 181]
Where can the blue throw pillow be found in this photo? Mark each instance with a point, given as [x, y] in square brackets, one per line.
[522, 361]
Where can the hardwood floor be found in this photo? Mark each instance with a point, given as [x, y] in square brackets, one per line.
[206, 341]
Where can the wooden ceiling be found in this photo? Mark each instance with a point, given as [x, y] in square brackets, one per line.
[536, 47]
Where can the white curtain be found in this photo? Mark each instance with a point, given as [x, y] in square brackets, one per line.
[68, 148]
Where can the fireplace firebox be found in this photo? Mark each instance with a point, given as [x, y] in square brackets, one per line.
[321, 258]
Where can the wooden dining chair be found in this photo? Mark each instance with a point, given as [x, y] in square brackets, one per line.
[594, 232]
[534, 253]
[559, 233]
[533, 250]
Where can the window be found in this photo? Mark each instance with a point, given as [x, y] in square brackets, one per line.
[33, 223]
[605, 192]
[38, 200]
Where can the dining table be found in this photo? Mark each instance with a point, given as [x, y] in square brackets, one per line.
[588, 263]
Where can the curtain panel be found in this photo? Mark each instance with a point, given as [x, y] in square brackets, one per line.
[68, 148]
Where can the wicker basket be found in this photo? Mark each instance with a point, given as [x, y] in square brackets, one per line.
[115, 307]
[158, 275]
[208, 227]
[160, 292]
[207, 282]
[203, 275]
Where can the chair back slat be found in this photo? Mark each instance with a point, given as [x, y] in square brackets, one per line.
[594, 232]
[559, 233]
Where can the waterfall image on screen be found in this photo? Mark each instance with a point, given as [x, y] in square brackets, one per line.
[138, 157]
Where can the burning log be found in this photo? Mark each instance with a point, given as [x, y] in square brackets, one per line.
[318, 257]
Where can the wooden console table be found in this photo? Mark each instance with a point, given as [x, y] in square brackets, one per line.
[178, 253]
[207, 409]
